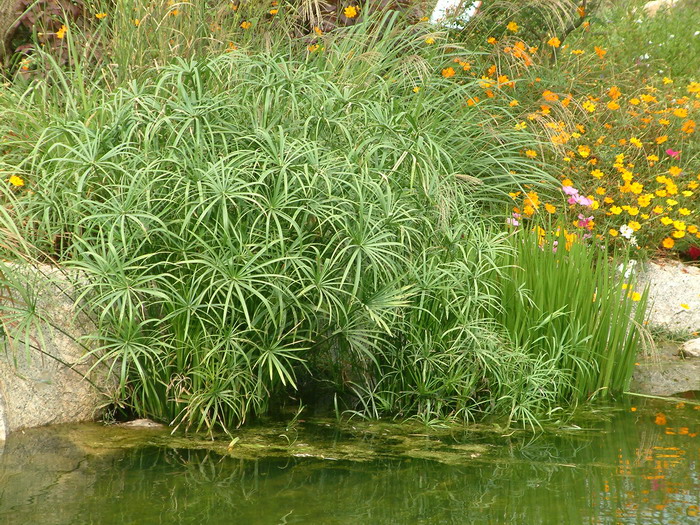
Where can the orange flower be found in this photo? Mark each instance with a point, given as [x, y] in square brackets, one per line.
[614, 93]
[599, 51]
[554, 42]
[550, 96]
[448, 72]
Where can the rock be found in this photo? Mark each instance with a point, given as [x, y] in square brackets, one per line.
[674, 295]
[651, 8]
[667, 378]
[691, 348]
[45, 376]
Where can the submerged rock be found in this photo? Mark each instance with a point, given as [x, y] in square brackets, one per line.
[141, 423]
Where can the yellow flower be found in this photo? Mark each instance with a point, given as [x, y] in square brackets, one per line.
[16, 181]
[246, 25]
[635, 141]
[61, 32]
[513, 27]
[675, 171]
[661, 139]
[588, 106]
[636, 296]
[274, 11]
[678, 234]
[491, 40]
[100, 16]
[531, 153]
[684, 211]
[597, 174]
[668, 243]
[584, 151]
[634, 225]
[430, 40]
[685, 306]
[416, 89]
[667, 81]
[613, 233]
[554, 42]
[635, 101]
[615, 210]
[137, 22]
[513, 103]
[520, 125]
[351, 11]
[694, 87]
[613, 105]
[550, 208]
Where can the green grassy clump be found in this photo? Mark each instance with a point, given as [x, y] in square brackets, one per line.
[247, 223]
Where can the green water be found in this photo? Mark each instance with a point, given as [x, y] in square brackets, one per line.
[619, 466]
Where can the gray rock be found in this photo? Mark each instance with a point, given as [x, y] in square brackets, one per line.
[691, 348]
[45, 376]
[666, 378]
[674, 293]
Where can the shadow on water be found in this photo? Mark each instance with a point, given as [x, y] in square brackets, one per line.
[633, 464]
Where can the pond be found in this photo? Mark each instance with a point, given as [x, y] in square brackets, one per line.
[635, 463]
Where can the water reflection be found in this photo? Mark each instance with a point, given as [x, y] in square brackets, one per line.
[634, 468]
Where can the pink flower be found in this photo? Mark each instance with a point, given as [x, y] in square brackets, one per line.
[569, 190]
[674, 154]
[584, 222]
[583, 201]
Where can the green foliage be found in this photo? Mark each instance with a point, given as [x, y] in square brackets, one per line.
[564, 301]
[243, 224]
